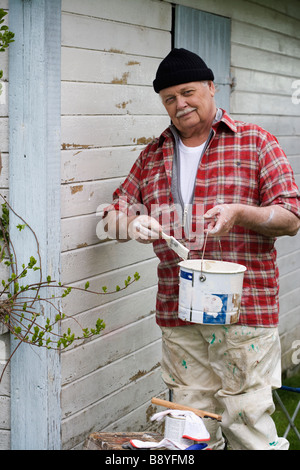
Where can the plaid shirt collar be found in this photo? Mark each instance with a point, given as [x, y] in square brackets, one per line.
[224, 118]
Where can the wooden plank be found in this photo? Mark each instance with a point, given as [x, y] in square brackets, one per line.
[108, 131]
[262, 82]
[87, 197]
[285, 245]
[97, 164]
[264, 61]
[289, 282]
[4, 4]
[289, 322]
[4, 412]
[4, 134]
[291, 8]
[112, 36]
[110, 378]
[102, 258]
[97, 99]
[116, 314]
[259, 38]
[290, 144]
[103, 350]
[78, 232]
[281, 126]
[4, 170]
[84, 65]
[79, 301]
[4, 440]
[133, 12]
[34, 186]
[101, 414]
[117, 441]
[259, 103]
[3, 98]
[288, 262]
[248, 13]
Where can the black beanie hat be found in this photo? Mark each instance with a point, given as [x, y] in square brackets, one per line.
[181, 66]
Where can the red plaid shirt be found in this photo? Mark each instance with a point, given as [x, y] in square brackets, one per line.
[242, 164]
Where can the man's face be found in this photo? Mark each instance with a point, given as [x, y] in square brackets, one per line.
[190, 106]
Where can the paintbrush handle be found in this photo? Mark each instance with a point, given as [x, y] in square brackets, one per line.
[165, 236]
[176, 406]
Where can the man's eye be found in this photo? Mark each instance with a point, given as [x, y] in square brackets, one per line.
[169, 100]
[188, 92]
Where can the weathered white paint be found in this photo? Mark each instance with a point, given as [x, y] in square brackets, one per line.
[109, 114]
[107, 108]
[34, 190]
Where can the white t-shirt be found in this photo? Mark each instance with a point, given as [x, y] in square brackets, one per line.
[189, 160]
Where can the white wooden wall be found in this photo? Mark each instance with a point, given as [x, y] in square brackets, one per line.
[110, 53]
[4, 338]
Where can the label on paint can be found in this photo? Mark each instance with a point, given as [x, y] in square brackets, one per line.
[174, 429]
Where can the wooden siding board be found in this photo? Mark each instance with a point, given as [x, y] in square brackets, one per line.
[281, 126]
[132, 12]
[76, 428]
[263, 39]
[263, 82]
[248, 12]
[86, 359]
[4, 134]
[260, 103]
[98, 98]
[290, 8]
[103, 257]
[116, 61]
[264, 61]
[108, 131]
[97, 164]
[117, 314]
[84, 65]
[104, 35]
[76, 302]
[34, 189]
[108, 379]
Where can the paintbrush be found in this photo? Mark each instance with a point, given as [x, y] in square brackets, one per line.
[176, 246]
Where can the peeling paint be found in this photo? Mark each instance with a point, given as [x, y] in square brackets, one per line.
[75, 146]
[116, 51]
[143, 140]
[121, 81]
[133, 62]
[82, 245]
[123, 105]
[76, 189]
[139, 374]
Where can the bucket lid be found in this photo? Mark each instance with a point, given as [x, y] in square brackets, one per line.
[212, 266]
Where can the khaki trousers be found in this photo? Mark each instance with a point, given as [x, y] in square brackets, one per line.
[229, 370]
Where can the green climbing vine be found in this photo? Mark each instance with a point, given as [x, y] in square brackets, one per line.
[21, 302]
[6, 37]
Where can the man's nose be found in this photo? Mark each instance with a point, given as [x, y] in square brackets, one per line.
[180, 102]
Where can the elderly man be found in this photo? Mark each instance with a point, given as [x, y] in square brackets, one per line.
[227, 183]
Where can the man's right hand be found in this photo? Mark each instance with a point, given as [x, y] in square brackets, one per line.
[144, 229]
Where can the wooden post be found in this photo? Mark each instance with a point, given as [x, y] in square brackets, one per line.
[34, 193]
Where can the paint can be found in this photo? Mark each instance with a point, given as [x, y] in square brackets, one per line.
[210, 291]
[174, 430]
